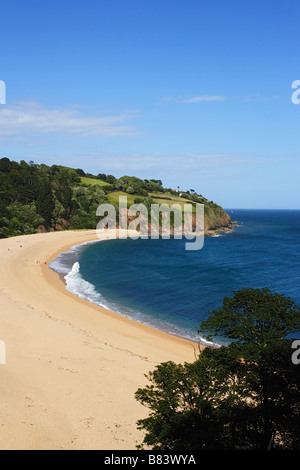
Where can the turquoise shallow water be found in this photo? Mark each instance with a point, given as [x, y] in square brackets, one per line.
[159, 283]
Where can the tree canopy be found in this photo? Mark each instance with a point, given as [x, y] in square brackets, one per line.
[255, 316]
[38, 196]
[241, 396]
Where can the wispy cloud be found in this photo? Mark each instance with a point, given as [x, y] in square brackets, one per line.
[258, 97]
[204, 98]
[31, 117]
[251, 97]
[169, 163]
[192, 99]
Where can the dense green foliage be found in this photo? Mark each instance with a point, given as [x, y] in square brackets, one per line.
[36, 197]
[241, 396]
[42, 198]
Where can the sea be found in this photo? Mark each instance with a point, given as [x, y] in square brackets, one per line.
[163, 285]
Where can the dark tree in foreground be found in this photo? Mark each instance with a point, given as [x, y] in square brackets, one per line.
[241, 396]
[253, 316]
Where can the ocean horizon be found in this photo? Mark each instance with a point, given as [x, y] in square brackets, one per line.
[159, 283]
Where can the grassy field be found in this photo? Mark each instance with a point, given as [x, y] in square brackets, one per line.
[170, 199]
[91, 182]
[158, 198]
[114, 197]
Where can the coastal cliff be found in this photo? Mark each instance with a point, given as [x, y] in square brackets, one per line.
[216, 220]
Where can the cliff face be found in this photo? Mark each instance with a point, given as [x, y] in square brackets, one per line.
[216, 220]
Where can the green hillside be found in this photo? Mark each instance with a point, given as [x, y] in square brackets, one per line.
[92, 181]
[37, 197]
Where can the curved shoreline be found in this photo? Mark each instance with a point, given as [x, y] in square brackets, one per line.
[65, 272]
[72, 367]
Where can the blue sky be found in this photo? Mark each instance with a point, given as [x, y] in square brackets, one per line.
[196, 93]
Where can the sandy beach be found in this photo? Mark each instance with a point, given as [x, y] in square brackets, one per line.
[72, 368]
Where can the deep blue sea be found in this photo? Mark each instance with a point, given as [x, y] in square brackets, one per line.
[159, 283]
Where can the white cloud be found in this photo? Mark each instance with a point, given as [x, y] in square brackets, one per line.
[31, 117]
[258, 97]
[166, 164]
[194, 99]
[204, 98]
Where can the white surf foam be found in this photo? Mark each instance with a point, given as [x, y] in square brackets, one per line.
[75, 284]
[84, 289]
